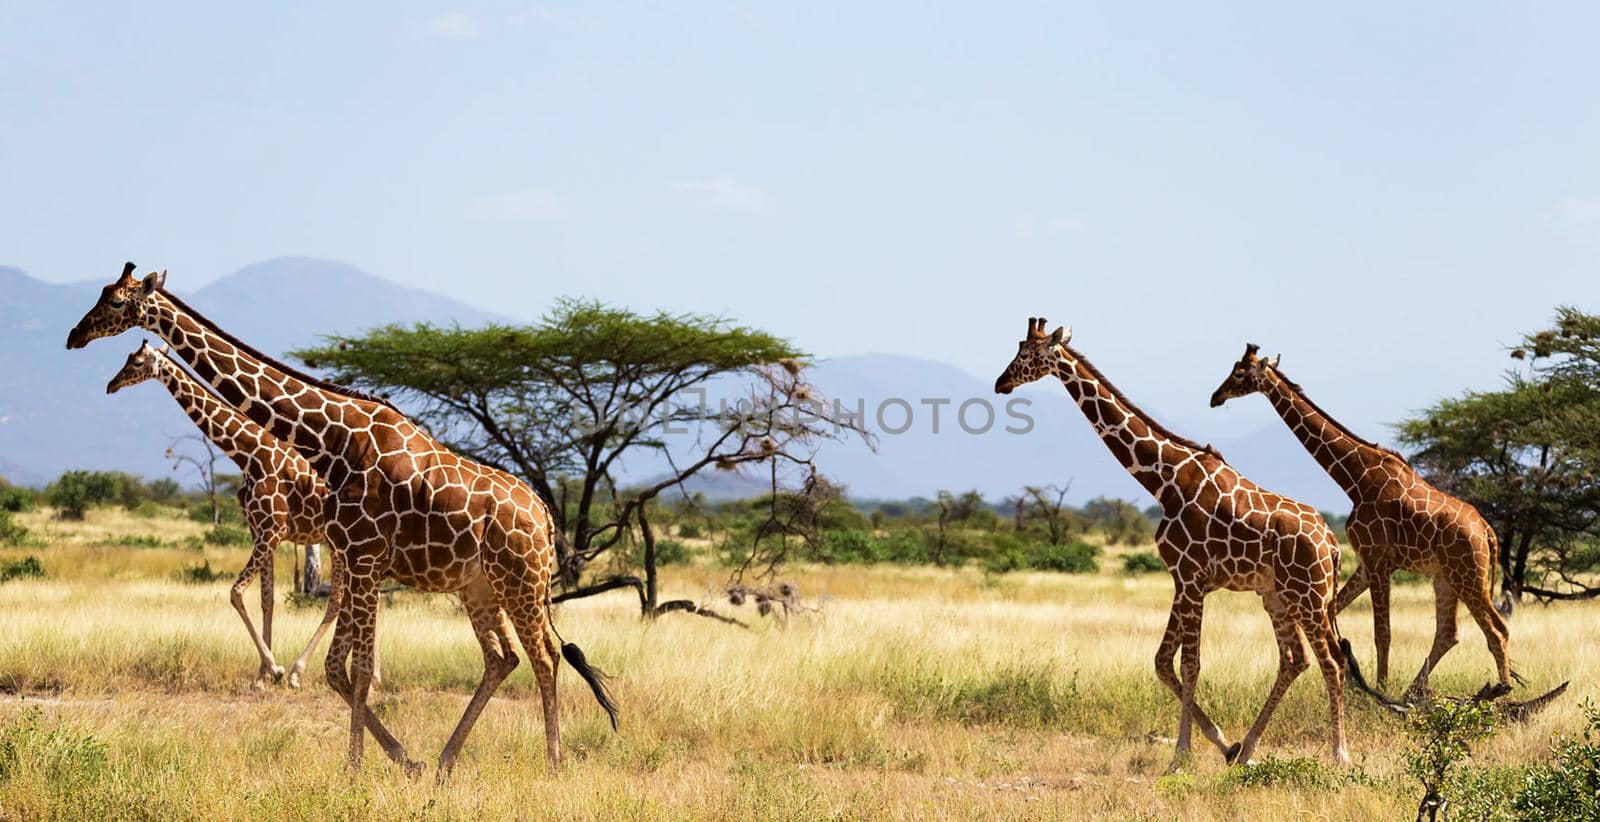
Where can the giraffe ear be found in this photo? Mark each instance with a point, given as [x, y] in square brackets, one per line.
[1273, 363]
[1060, 335]
[154, 281]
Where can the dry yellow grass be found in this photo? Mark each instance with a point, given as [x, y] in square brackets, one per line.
[921, 692]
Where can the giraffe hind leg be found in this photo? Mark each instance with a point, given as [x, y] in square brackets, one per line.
[490, 626]
[260, 558]
[1291, 663]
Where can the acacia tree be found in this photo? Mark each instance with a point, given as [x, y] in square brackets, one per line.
[1049, 505]
[562, 403]
[1527, 456]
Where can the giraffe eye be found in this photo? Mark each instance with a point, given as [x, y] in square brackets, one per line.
[117, 302]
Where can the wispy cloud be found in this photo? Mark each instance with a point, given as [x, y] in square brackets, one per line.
[449, 24]
[533, 205]
[1580, 215]
[727, 193]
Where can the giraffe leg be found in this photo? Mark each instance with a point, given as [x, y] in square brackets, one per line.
[1444, 634]
[1475, 594]
[260, 555]
[1380, 624]
[1189, 619]
[275, 671]
[360, 606]
[1353, 589]
[335, 599]
[1169, 677]
[1291, 662]
[1323, 638]
[527, 609]
[493, 631]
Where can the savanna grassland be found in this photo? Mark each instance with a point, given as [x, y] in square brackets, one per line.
[915, 692]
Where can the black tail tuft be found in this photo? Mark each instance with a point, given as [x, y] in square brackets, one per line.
[597, 679]
[1360, 681]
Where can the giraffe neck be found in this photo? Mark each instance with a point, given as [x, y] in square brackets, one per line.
[1148, 451]
[1342, 454]
[290, 408]
[234, 433]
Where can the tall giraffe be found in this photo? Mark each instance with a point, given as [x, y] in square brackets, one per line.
[1399, 521]
[401, 505]
[281, 496]
[1218, 531]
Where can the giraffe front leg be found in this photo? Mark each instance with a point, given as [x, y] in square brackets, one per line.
[236, 597]
[358, 615]
[270, 667]
[1444, 635]
[1165, 672]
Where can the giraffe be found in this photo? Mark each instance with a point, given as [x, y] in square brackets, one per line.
[1399, 521]
[1218, 531]
[400, 505]
[281, 496]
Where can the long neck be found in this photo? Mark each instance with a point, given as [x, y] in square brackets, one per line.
[1343, 455]
[1145, 448]
[229, 430]
[291, 408]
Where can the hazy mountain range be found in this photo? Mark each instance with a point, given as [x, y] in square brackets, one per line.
[54, 414]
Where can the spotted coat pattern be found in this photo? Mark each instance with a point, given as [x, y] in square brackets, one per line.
[1218, 531]
[1399, 521]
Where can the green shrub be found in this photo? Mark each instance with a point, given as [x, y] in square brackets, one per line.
[26, 567]
[1444, 734]
[226, 535]
[1070, 558]
[1303, 773]
[16, 499]
[1142, 562]
[671, 552]
[202, 574]
[141, 541]
[1567, 787]
[11, 531]
[689, 530]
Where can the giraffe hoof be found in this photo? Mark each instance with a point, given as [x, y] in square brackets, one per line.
[277, 674]
[294, 679]
[413, 768]
[1232, 753]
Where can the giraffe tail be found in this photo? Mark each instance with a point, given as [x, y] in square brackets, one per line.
[1360, 681]
[598, 681]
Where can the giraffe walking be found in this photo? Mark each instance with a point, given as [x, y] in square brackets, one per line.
[1399, 521]
[1218, 531]
[281, 496]
[401, 505]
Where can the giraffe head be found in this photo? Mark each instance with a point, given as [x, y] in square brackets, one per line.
[1248, 376]
[118, 308]
[143, 364]
[1036, 356]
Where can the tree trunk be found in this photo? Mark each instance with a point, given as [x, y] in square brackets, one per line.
[649, 538]
[311, 579]
[1520, 572]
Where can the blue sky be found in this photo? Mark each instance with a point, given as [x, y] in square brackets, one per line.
[1386, 194]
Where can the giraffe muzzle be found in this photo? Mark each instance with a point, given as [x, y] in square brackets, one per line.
[77, 338]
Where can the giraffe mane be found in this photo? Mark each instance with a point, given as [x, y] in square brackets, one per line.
[316, 382]
[1332, 420]
[1139, 412]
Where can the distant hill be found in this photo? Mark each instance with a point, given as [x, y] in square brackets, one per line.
[54, 414]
